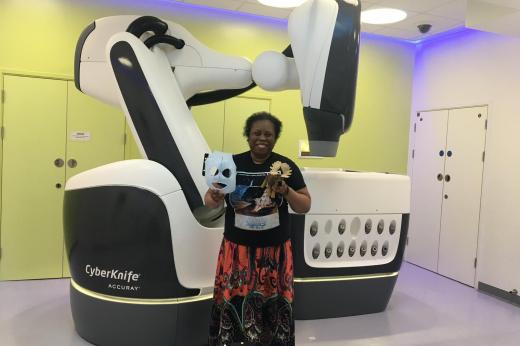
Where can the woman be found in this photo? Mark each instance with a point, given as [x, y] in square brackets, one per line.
[254, 280]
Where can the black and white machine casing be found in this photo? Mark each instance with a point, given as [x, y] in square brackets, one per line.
[349, 247]
[130, 262]
[142, 248]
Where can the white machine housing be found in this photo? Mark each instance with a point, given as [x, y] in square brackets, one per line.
[356, 223]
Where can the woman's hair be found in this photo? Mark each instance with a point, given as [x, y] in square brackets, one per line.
[263, 116]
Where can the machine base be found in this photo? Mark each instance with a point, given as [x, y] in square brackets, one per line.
[108, 323]
[340, 298]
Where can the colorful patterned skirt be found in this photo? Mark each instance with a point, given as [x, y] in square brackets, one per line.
[253, 296]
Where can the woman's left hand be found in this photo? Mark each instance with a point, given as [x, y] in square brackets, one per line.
[281, 187]
[300, 201]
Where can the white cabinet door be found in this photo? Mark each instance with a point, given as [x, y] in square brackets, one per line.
[462, 191]
[426, 199]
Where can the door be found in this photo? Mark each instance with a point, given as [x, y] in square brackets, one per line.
[95, 132]
[427, 186]
[462, 192]
[95, 136]
[237, 110]
[33, 176]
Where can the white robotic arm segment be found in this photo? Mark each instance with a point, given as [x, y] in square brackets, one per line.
[194, 80]
[325, 42]
[274, 71]
[153, 101]
[310, 27]
[197, 67]
[93, 76]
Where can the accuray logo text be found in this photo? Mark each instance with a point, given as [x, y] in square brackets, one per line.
[127, 276]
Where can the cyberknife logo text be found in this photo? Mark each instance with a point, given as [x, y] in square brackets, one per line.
[126, 276]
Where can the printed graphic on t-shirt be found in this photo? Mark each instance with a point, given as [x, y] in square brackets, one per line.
[254, 201]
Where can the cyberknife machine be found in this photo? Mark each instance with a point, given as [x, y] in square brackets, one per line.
[142, 247]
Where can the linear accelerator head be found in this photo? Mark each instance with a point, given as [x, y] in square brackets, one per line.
[325, 42]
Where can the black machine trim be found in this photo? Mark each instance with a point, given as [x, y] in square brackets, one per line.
[171, 40]
[216, 96]
[288, 52]
[149, 122]
[342, 298]
[118, 241]
[323, 125]
[147, 23]
[339, 87]
[79, 48]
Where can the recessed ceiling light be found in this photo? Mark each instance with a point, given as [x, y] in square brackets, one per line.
[282, 3]
[382, 16]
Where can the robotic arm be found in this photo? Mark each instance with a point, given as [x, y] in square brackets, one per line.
[321, 61]
[156, 69]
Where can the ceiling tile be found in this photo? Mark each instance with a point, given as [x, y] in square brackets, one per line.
[370, 27]
[493, 18]
[412, 5]
[505, 3]
[398, 33]
[438, 23]
[455, 10]
[367, 4]
[225, 4]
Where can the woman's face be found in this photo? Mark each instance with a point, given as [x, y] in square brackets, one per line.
[262, 139]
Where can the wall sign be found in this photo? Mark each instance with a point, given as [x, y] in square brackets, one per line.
[80, 136]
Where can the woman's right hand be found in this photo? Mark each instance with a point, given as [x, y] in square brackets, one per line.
[213, 198]
[216, 195]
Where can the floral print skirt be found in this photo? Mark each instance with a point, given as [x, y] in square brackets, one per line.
[253, 296]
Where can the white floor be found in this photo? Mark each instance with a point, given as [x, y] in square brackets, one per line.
[425, 309]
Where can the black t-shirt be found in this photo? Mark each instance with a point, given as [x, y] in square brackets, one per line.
[255, 215]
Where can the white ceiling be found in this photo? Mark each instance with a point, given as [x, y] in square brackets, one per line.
[498, 16]
[444, 15]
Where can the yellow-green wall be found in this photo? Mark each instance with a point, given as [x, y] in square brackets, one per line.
[39, 36]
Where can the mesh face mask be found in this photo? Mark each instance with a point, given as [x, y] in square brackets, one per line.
[220, 172]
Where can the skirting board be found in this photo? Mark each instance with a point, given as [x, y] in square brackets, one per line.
[497, 292]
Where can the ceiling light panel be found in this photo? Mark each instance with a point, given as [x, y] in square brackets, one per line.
[382, 16]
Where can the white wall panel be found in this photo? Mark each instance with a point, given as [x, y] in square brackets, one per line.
[481, 68]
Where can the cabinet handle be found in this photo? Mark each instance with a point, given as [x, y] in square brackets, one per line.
[72, 163]
[449, 153]
[447, 178]
[445, 196]
[439, 177]
[58, 185]
[441, 153]
[58, 162]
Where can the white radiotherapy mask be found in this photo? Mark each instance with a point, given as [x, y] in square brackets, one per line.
[220, 172]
